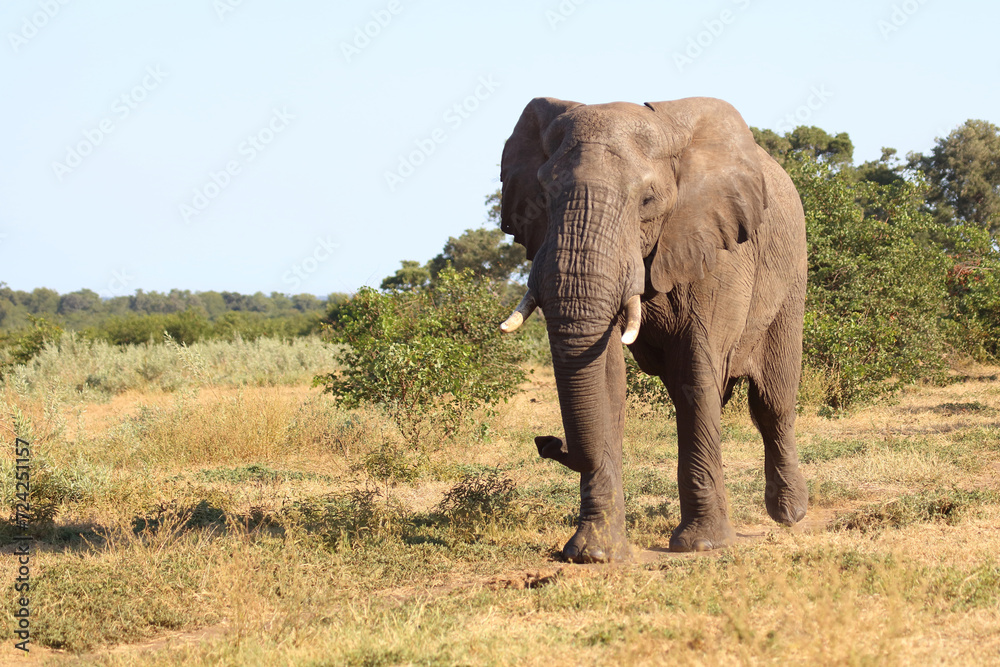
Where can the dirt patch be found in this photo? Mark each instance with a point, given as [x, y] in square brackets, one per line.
[526, 580]
[818, 519]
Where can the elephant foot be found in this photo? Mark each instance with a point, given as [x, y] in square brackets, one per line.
[703, 534]
[786, 498]
[597, 543]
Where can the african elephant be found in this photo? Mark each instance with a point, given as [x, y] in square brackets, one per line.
[668, 223]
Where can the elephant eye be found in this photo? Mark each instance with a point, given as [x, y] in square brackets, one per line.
[648, 199]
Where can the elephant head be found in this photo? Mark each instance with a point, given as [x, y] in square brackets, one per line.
[612, 202]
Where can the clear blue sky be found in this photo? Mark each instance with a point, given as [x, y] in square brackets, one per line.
[114, 114]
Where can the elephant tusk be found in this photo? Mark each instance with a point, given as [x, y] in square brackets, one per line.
[633, 316]
[520, 314]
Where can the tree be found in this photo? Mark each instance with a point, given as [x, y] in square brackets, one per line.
[411, 276]
[484, 251]
[8, 303]
[238, 302]
[963, 170]
[151, 302]
[29, 344]
[835, 150]
[886, 170]
[81, 301]
[775, 144]
[494, 203]
[258, 303]
[973, 284]
[42, 301]
[306, 302]
[213, 303]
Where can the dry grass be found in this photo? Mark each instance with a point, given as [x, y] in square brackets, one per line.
[262, 525]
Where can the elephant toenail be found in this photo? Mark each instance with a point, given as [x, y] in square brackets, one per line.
[701, 544]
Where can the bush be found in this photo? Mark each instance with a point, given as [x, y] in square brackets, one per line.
[973, 283]
[185, 327]
[191, 326]
[428, 357]
[253, 326]
[348, 519]
[478, 499]
[646, 393]
[533, 337]
[22, 348]
[876, 284]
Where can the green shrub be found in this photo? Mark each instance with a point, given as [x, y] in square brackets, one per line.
[185, 327]
[191, 326]
[430, 358]
[876, 284]
[479, 497]
[344, 520]
[973, 283]
[388, 465]
[646, 393]
[252, 326]
[22, 348]
[533, 338]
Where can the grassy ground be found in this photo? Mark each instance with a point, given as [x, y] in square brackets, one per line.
[220, 522]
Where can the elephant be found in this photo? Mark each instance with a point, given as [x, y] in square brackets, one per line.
[664, 224]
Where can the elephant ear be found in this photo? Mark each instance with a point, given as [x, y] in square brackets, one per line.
[522, 205]
[721, 192]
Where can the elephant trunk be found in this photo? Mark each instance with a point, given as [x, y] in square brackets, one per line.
[583, 283]
[581, 381]
[582, 288]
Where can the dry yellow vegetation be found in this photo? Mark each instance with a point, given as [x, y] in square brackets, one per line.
[223, 524]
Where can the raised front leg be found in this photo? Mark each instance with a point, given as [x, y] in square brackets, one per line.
[704, 515]
[785, 493]
[772, 406]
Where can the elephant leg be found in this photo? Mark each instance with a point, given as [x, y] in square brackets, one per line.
[704, 516]
[772, 396]
[600, 535]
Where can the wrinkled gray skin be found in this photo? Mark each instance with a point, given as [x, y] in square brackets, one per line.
[673, 201]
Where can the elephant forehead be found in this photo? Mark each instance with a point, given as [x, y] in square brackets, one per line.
[619, 125]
